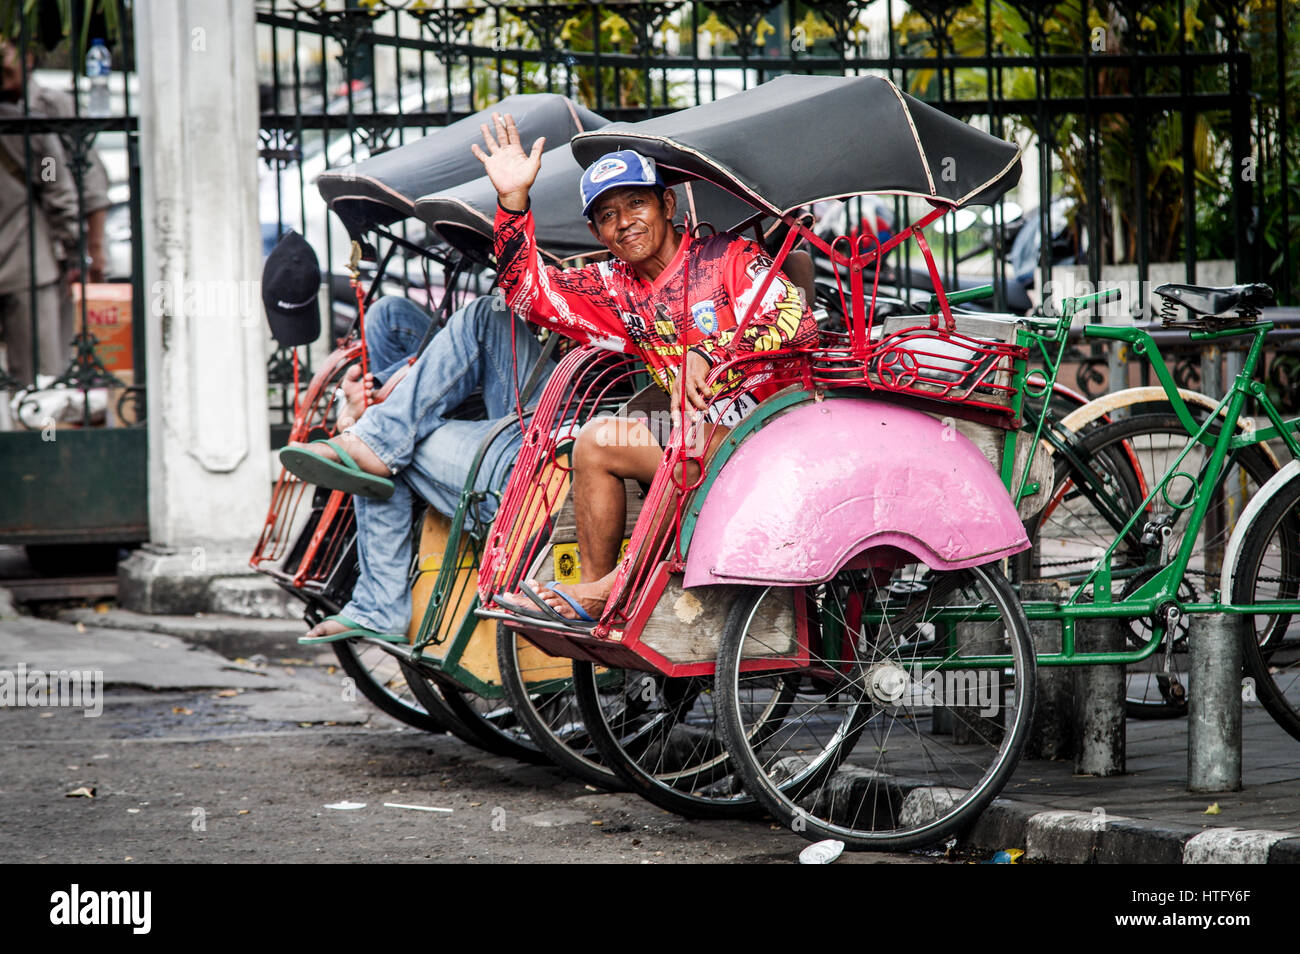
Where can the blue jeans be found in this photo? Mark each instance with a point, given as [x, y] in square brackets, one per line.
[394, 329]
[430, 455]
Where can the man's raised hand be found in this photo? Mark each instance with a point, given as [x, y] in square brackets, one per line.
[511, 170]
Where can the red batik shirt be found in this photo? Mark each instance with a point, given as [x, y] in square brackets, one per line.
[704, 292]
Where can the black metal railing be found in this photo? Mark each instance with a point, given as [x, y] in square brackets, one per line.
[1156, 132]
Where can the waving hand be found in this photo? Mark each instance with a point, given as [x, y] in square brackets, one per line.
[511, 170]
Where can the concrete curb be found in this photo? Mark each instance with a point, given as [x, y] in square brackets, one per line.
[230, 636]
[1072, 837]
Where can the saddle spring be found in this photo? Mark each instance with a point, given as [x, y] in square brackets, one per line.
[1168, 311]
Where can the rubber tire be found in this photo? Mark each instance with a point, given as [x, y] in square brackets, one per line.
[801, 801]
[474, 725]
[708, 789]
[1273, 662]
[583, 763]
[402, 703]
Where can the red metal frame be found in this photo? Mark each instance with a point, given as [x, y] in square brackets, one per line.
[929, 364]
[314, 419]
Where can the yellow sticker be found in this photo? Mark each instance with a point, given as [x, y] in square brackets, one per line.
[568, 569]
[568, 565]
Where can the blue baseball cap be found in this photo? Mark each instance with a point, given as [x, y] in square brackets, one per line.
[617, 170]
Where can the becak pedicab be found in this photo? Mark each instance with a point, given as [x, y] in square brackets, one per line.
[537, 686]
[308, 541]
[821, 619]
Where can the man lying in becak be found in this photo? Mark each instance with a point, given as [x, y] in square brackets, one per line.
[661, 293]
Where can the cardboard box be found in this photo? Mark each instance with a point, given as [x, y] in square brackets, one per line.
[108, 318]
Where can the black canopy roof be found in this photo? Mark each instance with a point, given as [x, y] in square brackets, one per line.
[463, 215]
[383, 189]
[799, 139]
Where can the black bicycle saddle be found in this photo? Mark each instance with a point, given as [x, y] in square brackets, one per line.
[1205, 300]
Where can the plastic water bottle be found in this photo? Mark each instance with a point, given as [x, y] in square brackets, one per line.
[98, 64]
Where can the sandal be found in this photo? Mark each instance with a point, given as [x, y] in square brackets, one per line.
[343, 474]
[515, 608]
[353, 631]
[584, 620]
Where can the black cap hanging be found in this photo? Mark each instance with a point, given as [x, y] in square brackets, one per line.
[290, 284]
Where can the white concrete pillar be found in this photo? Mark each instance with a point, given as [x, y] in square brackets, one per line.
[209, 474]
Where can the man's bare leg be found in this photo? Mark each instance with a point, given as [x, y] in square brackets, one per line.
[616, 449]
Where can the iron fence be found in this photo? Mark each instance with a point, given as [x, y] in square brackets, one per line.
[1154, 132]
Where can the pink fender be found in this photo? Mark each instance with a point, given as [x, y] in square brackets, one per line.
[820, 483]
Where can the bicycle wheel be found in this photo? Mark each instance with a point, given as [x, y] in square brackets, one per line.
[541, 694]
[1268, 568]
[1125, 460]
[488, 724]
[380, 677]
[663, 738]
[888, 742]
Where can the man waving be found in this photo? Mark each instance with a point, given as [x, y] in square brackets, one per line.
[661, 295]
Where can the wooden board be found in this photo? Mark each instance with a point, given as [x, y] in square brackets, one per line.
[434, 532]
[687, 625]
[477, 655]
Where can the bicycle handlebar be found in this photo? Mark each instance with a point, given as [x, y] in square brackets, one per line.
[1072, 306]
[963, 296]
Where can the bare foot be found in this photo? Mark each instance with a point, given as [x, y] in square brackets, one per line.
[366, 459]
[327, 628]
[592, 597]
[357, 396]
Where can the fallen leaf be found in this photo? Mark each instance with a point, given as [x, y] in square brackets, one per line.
[227, 693]
[243, 811]
[84, 791]
[181, 710]
[598, 822]
[304, 725]
[1212, 810]
[475, 804]
[102, 608]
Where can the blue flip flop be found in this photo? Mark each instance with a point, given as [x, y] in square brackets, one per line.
[343, 474]
[354, 630]
[584, 620]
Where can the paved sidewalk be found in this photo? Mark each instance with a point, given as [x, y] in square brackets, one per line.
[1148, 815]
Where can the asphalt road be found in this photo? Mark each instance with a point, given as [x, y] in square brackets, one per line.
[200, 759]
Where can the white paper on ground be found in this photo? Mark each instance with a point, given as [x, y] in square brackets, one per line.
[821, 853]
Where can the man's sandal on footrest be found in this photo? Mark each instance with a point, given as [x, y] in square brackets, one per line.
[343, 474]
[354, 631]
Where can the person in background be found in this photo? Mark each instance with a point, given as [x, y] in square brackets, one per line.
[39, 286]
